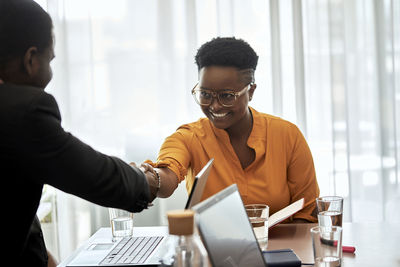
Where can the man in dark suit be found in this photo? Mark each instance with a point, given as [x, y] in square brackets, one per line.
[34, 148]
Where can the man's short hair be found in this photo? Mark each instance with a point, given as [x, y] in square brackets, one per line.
[23, 24]
[227, 52]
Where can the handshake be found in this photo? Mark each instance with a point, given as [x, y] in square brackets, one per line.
[153, 179]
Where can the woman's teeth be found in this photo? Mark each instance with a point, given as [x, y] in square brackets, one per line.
[219, 115]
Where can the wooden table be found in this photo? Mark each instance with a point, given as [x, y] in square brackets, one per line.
[377, 244]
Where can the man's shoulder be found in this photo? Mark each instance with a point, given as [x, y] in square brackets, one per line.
[18, 101]
[19, 94]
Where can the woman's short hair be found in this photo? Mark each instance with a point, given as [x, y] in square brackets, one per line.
[228, 52]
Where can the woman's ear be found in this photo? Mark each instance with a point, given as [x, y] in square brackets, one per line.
[251, 90]
[31, 62]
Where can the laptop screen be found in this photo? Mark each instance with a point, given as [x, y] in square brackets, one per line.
[226, 231]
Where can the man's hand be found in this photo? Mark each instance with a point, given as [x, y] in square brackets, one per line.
[151, 177]
[162, 183]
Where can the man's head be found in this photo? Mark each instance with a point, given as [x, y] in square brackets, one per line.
[226, 81]
[26, 43]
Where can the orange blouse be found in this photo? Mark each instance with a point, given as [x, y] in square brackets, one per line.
[282, 172]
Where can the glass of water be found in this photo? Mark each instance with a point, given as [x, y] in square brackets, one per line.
[330, 211]
[258, 215]
[121, 223]
[327, 246]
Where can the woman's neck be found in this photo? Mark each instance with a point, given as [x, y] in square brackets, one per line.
[243, 128]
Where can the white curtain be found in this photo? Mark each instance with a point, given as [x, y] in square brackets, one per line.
[124, 69]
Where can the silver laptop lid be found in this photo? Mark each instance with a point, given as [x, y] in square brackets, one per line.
[226, 230]
[198, 185]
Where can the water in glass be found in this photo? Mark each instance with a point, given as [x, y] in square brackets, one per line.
[122, 226]
[330, 218]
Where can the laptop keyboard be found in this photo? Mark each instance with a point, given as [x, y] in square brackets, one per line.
[132, 250]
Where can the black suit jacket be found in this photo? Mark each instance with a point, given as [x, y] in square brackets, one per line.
[35, 150]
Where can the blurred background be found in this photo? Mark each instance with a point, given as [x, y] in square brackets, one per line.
[124, 70]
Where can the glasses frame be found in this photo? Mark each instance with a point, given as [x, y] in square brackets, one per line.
[215, 95]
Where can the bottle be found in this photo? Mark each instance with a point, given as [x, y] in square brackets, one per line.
[185, 249]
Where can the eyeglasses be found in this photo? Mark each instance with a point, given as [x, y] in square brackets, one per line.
[226, 98]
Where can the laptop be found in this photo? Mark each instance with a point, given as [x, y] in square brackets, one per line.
[226, 230]
[138, 250]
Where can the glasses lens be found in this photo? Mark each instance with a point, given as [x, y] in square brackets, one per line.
[226, 98]
[203, 97]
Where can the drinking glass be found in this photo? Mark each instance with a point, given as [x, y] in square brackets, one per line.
[121, 223]
[327, 246]
[330, 211]
[258, 215]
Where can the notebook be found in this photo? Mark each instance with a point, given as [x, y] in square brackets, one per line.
[199, 184]
[285, 213]
[137, 250]
[228, 235]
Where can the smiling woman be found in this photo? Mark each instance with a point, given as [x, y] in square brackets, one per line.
[267, 157]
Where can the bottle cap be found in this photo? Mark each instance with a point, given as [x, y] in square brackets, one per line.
[180, 222]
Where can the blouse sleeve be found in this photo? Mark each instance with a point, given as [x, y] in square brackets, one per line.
[174, 153]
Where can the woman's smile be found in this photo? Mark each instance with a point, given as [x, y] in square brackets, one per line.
[218, 115]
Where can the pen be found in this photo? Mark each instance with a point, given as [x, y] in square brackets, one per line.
[348, 249]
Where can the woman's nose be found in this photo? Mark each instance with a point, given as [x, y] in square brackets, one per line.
[215, 105]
